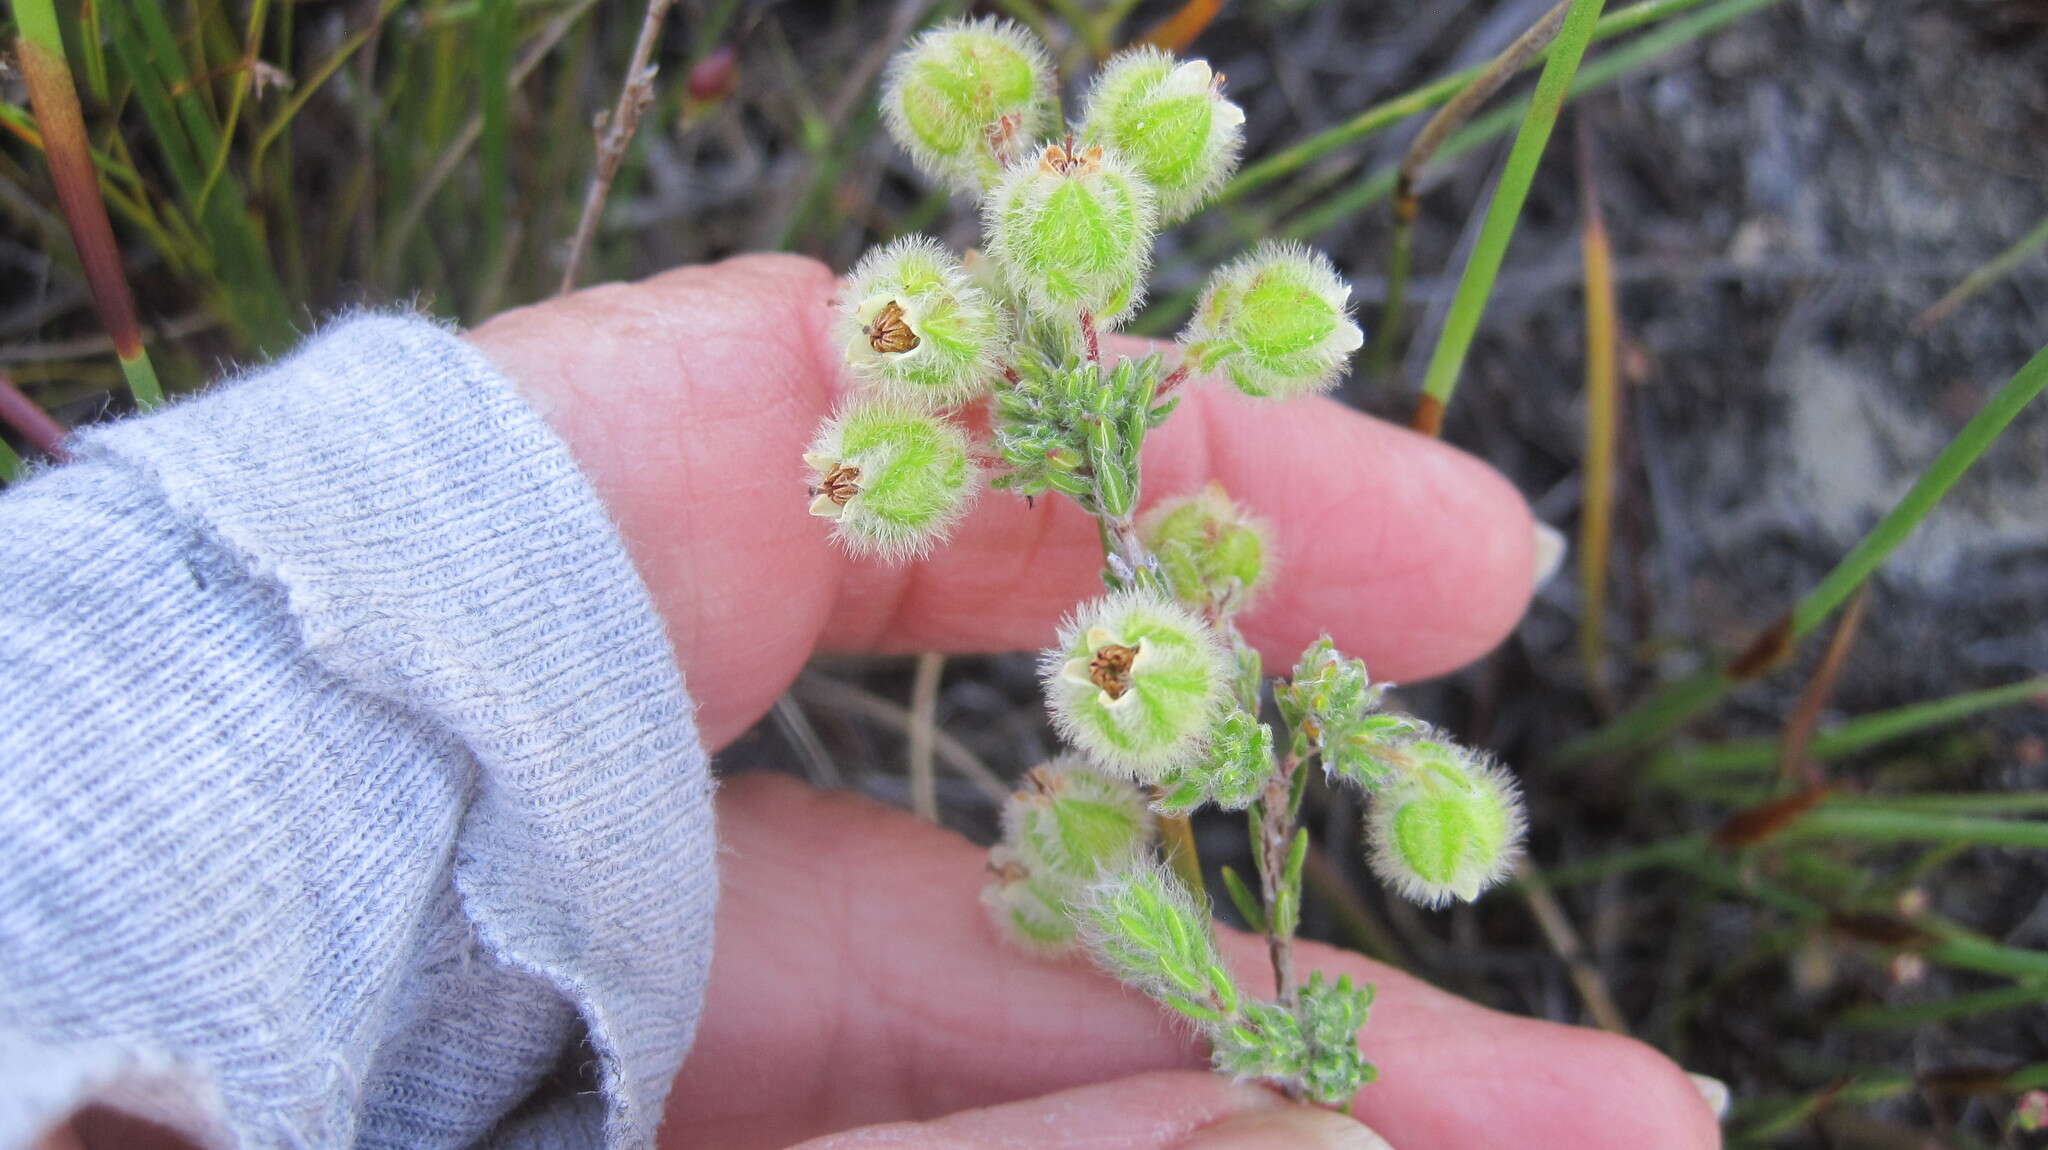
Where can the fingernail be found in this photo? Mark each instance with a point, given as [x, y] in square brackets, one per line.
[1714, 1091]
[1550, 549]
[1287, 1128]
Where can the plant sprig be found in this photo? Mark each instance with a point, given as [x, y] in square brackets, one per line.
[1152, 683]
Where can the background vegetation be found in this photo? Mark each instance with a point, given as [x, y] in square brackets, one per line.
[1762, 340]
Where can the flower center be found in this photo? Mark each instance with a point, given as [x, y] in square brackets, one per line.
[889, 331]
[1110, 669]
[840, 484]
[1066, 160]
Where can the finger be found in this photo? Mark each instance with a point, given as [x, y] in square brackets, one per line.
[857, 980]
[688, 400]
[1158, 1110]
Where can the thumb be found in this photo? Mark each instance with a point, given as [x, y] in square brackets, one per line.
[1166, 1110]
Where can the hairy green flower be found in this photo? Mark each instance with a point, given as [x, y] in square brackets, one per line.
[1068, 827]
[1136, 683]
[967, 98]
[893, 477]
[1214, 554]
[1033, 911]
[1447, 825]
[1072, 231]
[914, 325]
[1275, 321]
[1073, 822]
[1168, 119]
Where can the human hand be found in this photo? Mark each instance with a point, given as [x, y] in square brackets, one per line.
[856, 981]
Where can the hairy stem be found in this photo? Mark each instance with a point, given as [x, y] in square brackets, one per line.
[1274, 817]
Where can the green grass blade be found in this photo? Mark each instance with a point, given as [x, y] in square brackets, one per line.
[1594, 75]
[1760, 756]
[1910, 1016]
[246, 288]
[1383, 115]
[1999, 266]
[1498, 228]
[1869, 824]
[1672, 706]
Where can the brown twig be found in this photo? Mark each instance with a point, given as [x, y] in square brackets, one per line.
[1405, 206]
[949, 749]
[1793, 764]
[31, 422]
[615, 137]
[1565, 942]
[924, 723]
[1603, 401]
[1180, 29]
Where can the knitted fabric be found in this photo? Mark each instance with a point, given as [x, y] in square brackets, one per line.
[349, 793]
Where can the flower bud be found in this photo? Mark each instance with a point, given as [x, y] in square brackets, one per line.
[1136, 682]
[1448, 825]
[892, 477]
[915, 325]
[1029, 910]
[1167, 119]
[1072, 823]
[1072, 231]
[1213, 553]
[1275, 322]
[967, 98]
[1230, 771]
[1326, 691]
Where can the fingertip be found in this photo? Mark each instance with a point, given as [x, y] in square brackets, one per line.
[1409, 552]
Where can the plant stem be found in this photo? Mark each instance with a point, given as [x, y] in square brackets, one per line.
[1275, 822]
[40, 52]
[1498, 228]
[1603, 402]
[924, 703]
[1993, 270]
[635, 93]
[32, 423]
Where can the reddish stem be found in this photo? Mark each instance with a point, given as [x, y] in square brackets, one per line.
[69, 155]
[1174, 378]
[1010, 374]
[34, 425]
[1093, 340]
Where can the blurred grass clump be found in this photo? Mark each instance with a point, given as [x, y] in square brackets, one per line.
[1837, 907]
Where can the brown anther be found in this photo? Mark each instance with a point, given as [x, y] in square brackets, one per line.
[840, 484]
[1110, 669]
[888, 331]
[1002, 135]
[1065, 160]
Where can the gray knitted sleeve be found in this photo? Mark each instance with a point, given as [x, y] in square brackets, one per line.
[349, 794]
